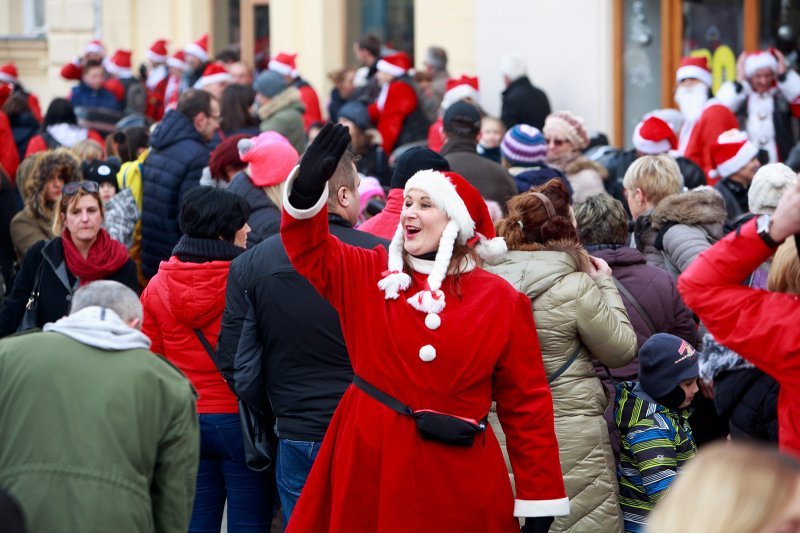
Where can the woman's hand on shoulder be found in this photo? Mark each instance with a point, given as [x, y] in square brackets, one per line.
[598, 267]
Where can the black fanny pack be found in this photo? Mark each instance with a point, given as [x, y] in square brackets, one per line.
[432, 425]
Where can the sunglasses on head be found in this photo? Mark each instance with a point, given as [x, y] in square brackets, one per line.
[71, 188]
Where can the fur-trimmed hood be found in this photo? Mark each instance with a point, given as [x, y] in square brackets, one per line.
[703, 206]
[59, 162]
[584, 163]
[286, 98]
[716, 358]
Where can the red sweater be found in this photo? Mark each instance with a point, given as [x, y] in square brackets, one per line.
[180, 298]
[761, 326]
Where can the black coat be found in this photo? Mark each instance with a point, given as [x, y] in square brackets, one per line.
[24, 127]
[524, 104]
[8, 208]
[265, 217]
[735, 196]
[55, 288]
[749, 399]
[175, 163]
[304, 362]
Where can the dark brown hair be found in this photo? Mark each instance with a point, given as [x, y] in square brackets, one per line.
[235, 107]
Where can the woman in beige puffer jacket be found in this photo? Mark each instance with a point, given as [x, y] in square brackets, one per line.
[577, 309]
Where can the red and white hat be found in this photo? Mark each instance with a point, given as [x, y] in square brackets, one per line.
[157, 53]
[469, 223]
[695, 68]
[9, 73]
[178, 60]
[757, 60]
[459, 89]
[731, 153]
[199, 48]
[654, 136]
[119, 64]
[95, 46]
[214, 73]
[396, 64]
[284, 63]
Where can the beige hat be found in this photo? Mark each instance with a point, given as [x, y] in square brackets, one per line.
[769, 184]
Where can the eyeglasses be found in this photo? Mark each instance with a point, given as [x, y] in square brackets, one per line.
[555, 142]
[218, 118]
[73, 187]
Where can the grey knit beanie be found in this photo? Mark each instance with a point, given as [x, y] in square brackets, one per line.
[270, 83]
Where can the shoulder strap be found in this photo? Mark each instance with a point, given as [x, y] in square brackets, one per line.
[568, 363]
[659, 244]
[636, 305]
[202, 338]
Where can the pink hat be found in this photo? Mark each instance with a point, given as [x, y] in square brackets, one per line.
[653, 136]
[95, 46]
[695, 68]
[9, 73]
[199, 48]
[284, 63]
[757, 60]
[271, 157]
[731, 153]
[459, 89]
[368, 189]
[178, 60]
[119, 64]
[395, 64]
[213, 73]
[157, 53]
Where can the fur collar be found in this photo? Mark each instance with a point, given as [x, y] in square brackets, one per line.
[716, 358]
[571, 248]
[288, 97]
[582, 163]
[699, 207]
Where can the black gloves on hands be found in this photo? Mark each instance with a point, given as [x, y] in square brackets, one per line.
[539, 524]
[318, 165]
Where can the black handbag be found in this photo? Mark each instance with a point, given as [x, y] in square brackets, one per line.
[29, 319]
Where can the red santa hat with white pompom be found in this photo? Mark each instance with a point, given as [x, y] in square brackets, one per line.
[469, 224]
[285, 64]
[731, 153]
[755, 61]
[653, 136]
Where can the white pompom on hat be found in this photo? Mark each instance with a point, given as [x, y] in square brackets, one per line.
[768, 185]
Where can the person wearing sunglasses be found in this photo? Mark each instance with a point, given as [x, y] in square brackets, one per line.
[81, 252]
[566, 138]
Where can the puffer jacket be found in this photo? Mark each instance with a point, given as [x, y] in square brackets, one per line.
[265, 217]
[572, 311]
[644, 238]
[284, 114]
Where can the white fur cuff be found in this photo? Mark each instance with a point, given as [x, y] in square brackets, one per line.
[534, 508]
[302, 214]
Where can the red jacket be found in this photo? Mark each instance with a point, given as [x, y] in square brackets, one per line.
[384, 224]
[38, 144]
[9, 157]
[401, 101]
[761, 326]
[436, 135]
[181, 297]
[309, 98]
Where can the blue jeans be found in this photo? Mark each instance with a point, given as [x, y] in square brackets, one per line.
[294, 462]
[223, 474]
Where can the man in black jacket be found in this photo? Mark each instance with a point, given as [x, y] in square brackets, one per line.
[281, 344]
[522, 102]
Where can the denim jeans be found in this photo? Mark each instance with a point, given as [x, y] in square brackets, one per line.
[223, 474]
[295, 458]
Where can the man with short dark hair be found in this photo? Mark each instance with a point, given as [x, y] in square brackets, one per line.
[178, 153]
[90, 92]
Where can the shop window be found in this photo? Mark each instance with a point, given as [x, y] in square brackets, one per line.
[714, 29]
[391, 20]
[33, 18]
[780, 28]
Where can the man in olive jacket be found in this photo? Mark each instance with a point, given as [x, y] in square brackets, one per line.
[98, 433]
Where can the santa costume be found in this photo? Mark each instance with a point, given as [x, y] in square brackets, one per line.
[432, 341]
[172, 92]
[704, 125]
[766, 117]
[10, 74]
[73, 70]
[284, 64]
[456, 89]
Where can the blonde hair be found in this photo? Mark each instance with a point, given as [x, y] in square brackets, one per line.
[275, 194]
[784, 274]
[63, 204]
[658, 176]
[727, 488]
[88, 150]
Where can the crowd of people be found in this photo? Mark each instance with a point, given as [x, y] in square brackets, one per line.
[395, 311]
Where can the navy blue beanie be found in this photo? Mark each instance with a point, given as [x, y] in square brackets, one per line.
[412, 161]
[665, 361]
[356, 113]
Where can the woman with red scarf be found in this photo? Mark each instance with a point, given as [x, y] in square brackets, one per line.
[52, 270]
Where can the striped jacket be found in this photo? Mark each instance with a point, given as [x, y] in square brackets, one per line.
[656, 443]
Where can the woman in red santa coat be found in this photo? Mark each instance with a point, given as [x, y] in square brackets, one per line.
[429, 333]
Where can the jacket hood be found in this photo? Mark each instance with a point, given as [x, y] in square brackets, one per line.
[101, 328]
[617, 254]
[174, 128]
[633, 405]
[716, 358]
[68, 135]
[193, 292]
[584, 163]
[542, 269]
[699, 207]
[289, 97]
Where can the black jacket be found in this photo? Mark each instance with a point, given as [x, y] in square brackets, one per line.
[55, 288]
[524, 104]
[8, 208]
[735, 196]
[176, 160]
[265, 217]
[23, 127]
[749, 399]
[305, 366]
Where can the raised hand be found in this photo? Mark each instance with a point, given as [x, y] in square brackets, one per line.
[321, 158]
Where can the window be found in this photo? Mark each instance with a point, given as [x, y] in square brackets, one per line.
[391, 20]
[33, 17]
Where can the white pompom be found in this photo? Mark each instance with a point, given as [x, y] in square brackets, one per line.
[427, 353]
[428, 301]
[491, 248]
[433, 321]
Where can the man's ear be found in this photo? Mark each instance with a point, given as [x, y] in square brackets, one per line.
[641, 197]
[342, 197]
[199, 121]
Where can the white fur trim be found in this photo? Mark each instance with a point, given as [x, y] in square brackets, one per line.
[754, 62]
[282, 68]
[693, 71]
[433, 321]
[747, 152]
[444, 195]
[730, 97]
[214, 78]
[535, 508]
[457, 93]
[648, 147]
[155, 58]
[394, 70]
[398, 280]
[443, 255]
[491, 248]
[427, 353]
[428, 302]
[196, 51]
[424, 266]
[174, 62]
[302, 214]
[7, 78]
[94, 48]
[790, 87]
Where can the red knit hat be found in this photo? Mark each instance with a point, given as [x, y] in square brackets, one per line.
[459, 89]
[199, 48]
[654, 136]
[731, 153]
[213, 73]
[119, 64]
[178, 60]
[395, 64]
[157, 53]
[95, 46]
[226, 156]
[271, 157]
[9, 73]
[695, 68]
[284, 63]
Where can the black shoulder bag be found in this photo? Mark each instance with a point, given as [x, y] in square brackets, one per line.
[29, 319]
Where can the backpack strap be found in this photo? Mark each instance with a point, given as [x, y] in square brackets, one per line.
[568, 363]
[636, 305]
[659, 244]
[207, 345]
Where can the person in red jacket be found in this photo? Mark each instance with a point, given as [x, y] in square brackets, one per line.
[457, 89]
[284, 64]
[760, 326]
[183, 305]
[60, 128]
[94, 51]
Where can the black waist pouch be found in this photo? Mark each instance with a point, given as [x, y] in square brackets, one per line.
[432, 425]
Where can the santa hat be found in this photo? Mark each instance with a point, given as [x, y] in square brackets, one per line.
[284, 63]
[213, 73]
[95, 46]
[9, 73]
[731, 153]
[694, 68]
[178, 60]
[654, 136]
[157, 53]
[757, 60]
[199, 48]
[469, 224]
[460, 89]
[396, 64]
[119, 64]
[271, 157]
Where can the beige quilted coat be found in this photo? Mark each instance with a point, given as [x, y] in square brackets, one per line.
[571, 309]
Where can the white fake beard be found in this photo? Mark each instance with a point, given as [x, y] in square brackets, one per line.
[692, 100]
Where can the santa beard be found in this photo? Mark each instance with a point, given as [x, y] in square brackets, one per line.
[691, 100]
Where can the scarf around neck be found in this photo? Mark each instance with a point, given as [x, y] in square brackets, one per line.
[105, 257]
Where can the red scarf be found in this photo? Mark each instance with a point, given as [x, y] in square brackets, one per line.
[106, 256]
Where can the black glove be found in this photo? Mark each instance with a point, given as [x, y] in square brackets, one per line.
[318, 165]
[539, 524]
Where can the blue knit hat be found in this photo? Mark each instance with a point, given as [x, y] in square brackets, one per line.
[664, 362]
[356, 113]
[523, 145]
[270, 83]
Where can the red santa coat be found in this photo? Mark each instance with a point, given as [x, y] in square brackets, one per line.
[389, 113]
[9, 156]
[697, 140]
[384, 224]
[155, 99]
[759, 325]
[309, 98]
[436, 135]
[374, 472]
